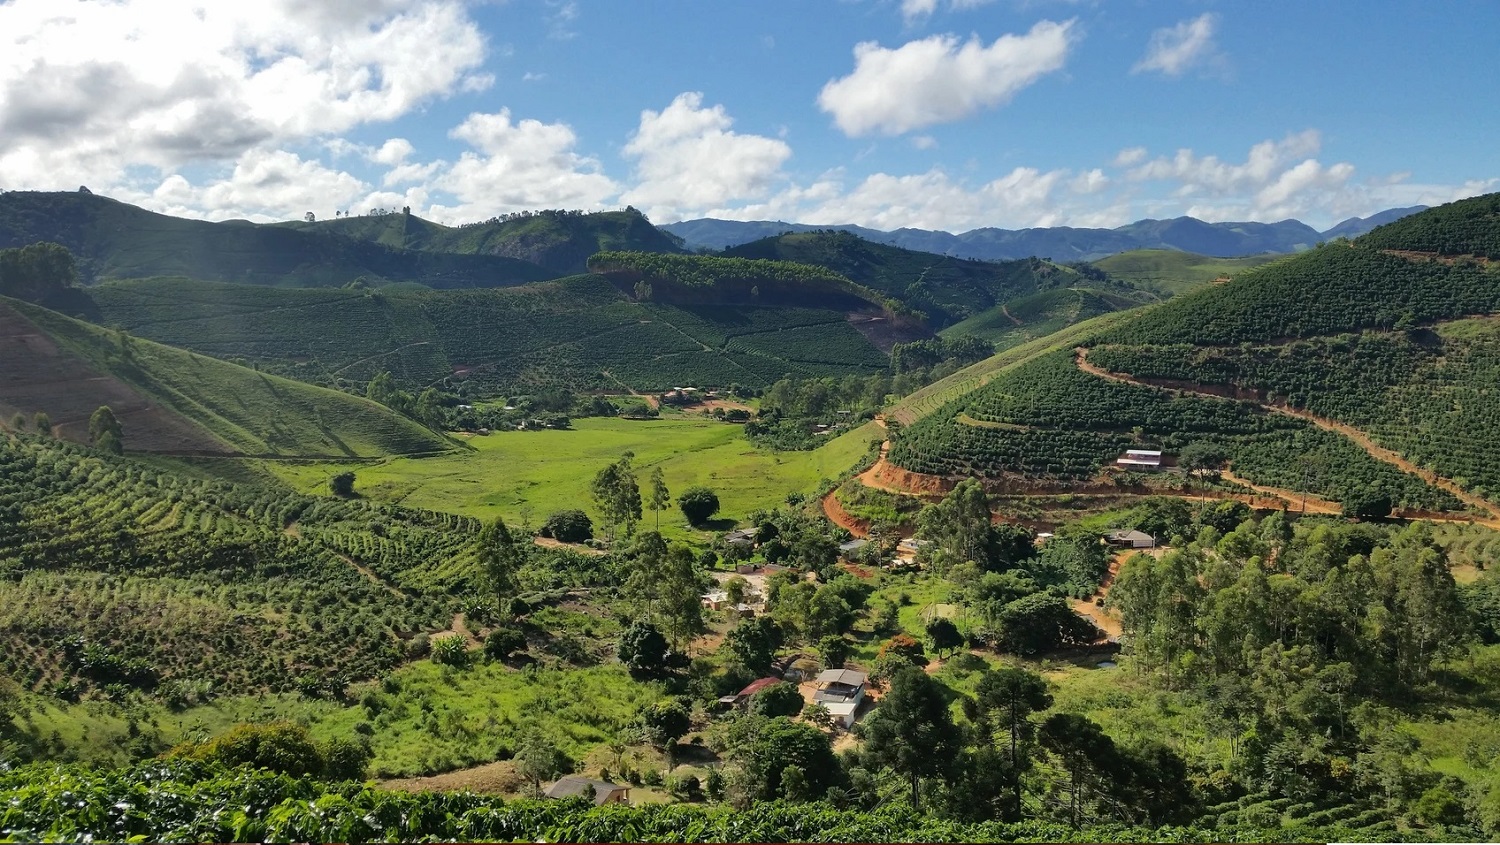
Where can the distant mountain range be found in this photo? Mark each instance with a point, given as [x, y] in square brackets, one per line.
[1060, 243]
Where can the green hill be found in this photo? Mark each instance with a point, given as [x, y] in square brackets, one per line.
[580, 332]
[1039, 315]
[115, 240]
[1376, 335]
[947, 289]
[560, 241]
[173, 401]
[1169, 272]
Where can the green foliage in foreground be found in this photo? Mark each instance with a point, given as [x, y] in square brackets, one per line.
[198, 802]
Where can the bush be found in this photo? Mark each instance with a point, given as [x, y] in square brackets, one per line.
[698, 504]
[500, 643]
[451, 650]
[568, 526]
[342, 485]
[780, 699]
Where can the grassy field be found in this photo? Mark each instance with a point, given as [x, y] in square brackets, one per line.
[548, 471]
[1170, 272]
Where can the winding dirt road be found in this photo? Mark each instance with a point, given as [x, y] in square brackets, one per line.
[1376, 451]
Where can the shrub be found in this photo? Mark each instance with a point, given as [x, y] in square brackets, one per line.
[780, 699]
[568, 526]
[450, 650]
[698, 504]
[501, 642]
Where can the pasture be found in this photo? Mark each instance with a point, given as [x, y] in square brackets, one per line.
[519, 474]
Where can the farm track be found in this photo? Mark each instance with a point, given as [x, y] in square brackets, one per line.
[1360, 438]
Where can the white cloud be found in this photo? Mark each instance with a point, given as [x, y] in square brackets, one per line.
[1130, 156]
[516, 165]
[1090, 182]
[91, 91]
[924, 142]
[1174, 49]
[687, 159]
[913, 11]
[260, 180]
[938, 79]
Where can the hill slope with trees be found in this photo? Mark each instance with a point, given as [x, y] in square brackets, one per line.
[560, 241]
[1388, 334]
[115, 240]
[174, 401]
[947, 289]
[582, 332]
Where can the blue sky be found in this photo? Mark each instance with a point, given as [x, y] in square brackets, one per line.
[945, 114]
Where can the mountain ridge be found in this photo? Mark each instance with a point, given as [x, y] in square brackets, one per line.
[1061, 243]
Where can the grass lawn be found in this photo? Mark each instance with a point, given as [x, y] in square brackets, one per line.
[547, 471]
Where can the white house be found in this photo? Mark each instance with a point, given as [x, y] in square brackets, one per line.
[841, 691]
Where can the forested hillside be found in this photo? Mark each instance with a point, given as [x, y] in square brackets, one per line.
[947, 289]
[580, 332]
[174, 401]
[115, 240]
[560, 241]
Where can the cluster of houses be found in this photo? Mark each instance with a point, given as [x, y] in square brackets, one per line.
[905, 556]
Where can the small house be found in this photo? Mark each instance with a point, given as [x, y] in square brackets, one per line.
[715, 600]
[604, 791]
[841, 691]
[846, 550]
[1131, 539]
[1146, 459]
[743, 537]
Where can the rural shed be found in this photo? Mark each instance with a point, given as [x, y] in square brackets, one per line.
[604, 791]
[1139, 459]
[1131, 539]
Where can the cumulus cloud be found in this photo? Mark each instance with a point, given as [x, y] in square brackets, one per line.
[1175, 49]
[940, 79]
[516, 165]
[687, 159]
[260, 180]
[94, 90]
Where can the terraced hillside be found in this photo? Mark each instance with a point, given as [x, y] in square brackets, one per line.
[173, 401]
[581, 332]
[115, 240]
[119, 577]
[1387, 338]
[560, 241]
